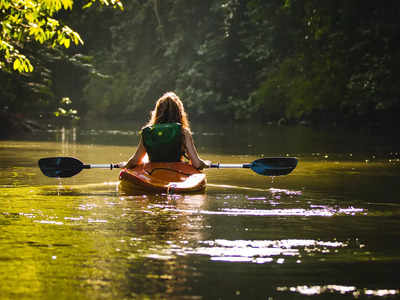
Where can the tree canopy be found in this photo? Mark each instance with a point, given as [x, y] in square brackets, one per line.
[332, 61]
[27, 21]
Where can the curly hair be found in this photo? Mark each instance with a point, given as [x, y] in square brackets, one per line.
[169, 109]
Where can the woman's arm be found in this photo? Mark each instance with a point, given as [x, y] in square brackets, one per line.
[137, 157]
[197, 162]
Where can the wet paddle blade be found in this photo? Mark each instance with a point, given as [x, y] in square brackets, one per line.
[274, 166]
[60, 167]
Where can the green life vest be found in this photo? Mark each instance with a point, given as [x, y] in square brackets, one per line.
[163, 142]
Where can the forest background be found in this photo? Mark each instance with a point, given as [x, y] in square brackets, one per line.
[295, 61]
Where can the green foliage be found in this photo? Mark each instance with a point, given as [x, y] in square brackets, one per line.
[71, 113]
[65, 110]
[341, 60]
[328, 61]
[27, 21]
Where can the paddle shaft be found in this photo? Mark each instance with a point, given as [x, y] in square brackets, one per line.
[230, 166]
[101, 166]
[218, 166]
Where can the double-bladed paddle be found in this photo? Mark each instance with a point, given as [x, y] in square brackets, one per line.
[269, 166]
[61, 167]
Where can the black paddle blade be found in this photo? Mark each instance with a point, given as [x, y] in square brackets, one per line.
[274, 166]
[60, 167]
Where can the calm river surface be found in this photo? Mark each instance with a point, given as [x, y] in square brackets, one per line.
[329, 230]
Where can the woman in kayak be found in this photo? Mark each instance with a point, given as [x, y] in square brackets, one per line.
[167, 136]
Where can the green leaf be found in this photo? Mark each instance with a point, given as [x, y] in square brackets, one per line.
[67, 4]
[67, 43]
[89, 4]
[26, 68]
[17, 64]
[30, 67]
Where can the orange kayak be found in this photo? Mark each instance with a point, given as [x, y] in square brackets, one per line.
[169, 177]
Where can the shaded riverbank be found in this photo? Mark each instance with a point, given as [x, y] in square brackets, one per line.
[16, 125]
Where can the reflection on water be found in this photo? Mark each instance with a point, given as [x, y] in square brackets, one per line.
[328, 230]
[263, 251]
[338, 289]
[323, 212]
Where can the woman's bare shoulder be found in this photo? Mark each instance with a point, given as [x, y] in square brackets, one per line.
[186, 132]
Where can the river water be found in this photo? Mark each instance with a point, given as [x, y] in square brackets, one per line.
[328, 230]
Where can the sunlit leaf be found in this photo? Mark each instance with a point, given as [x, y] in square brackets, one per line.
[27, 20]
[67, 43]
[26, 68]
[87, 5]
[16, 64]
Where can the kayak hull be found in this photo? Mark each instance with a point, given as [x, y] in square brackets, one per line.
[160, 177]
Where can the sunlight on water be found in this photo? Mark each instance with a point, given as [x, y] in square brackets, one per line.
[322, 212]
[284, 191]
[263, 251]
[339, 289]
[333, 220]
[49, 222]
[291, 251]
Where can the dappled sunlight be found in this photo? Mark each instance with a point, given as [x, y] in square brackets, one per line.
[263, 251]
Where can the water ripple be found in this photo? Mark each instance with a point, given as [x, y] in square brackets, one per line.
[338, 289]
[262, 251]
[253, 251]
[321, 211]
